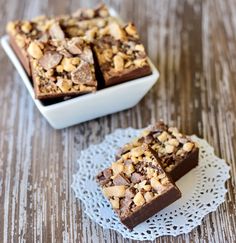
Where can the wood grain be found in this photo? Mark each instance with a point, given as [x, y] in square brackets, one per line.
[193, 44]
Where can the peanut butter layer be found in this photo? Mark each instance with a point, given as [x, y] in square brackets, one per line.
[62, 68]
[176, 151]
[120, 54]
[137, 186]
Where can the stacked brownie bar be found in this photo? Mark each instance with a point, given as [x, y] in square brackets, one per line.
[177, 152]
[141, 182]
[43, 46]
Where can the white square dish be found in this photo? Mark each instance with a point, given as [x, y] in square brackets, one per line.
[89, 106]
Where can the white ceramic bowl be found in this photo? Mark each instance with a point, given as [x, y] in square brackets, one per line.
[89, 106]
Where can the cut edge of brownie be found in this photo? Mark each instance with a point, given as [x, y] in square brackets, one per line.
[21, 54]
[186, 165]
[153, 207]
[127, 75]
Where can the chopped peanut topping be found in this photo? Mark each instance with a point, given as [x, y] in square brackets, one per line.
[139, 199]
[114, 191]
[34, 50]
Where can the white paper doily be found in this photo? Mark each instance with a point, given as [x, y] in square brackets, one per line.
[203, 190]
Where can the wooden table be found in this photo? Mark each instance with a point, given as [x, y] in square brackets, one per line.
[193, 44]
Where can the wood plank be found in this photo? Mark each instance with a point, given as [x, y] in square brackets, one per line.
[193, 45]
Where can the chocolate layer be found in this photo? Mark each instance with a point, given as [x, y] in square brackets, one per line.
[183, 167]
[127, 75]
[152, 208]
[21, 54]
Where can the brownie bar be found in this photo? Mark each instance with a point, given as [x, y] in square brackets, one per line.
[100, 11]
[137, 186]
[120, 54]
[177, 152]
[62, 68]
[91, 29]
[22, 32]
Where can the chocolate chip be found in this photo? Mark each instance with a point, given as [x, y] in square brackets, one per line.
[148, 139]
[82, 74]
[73, 46]
[44, 38]
[120, 179]
[65, 53]
[102, 180]
[141, 140]
[128, 162]
[56, 32]
[125, 206]
[183, 140]
[50, 60]
[136, 177]
[130, 193]
[87, 55]
[107, 173]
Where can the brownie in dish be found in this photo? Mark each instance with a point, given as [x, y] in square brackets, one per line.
[62, 68]
[22, 32]
[137, 186]
[121, 55]
[116, 52]
[176, 151]
[42, 28]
